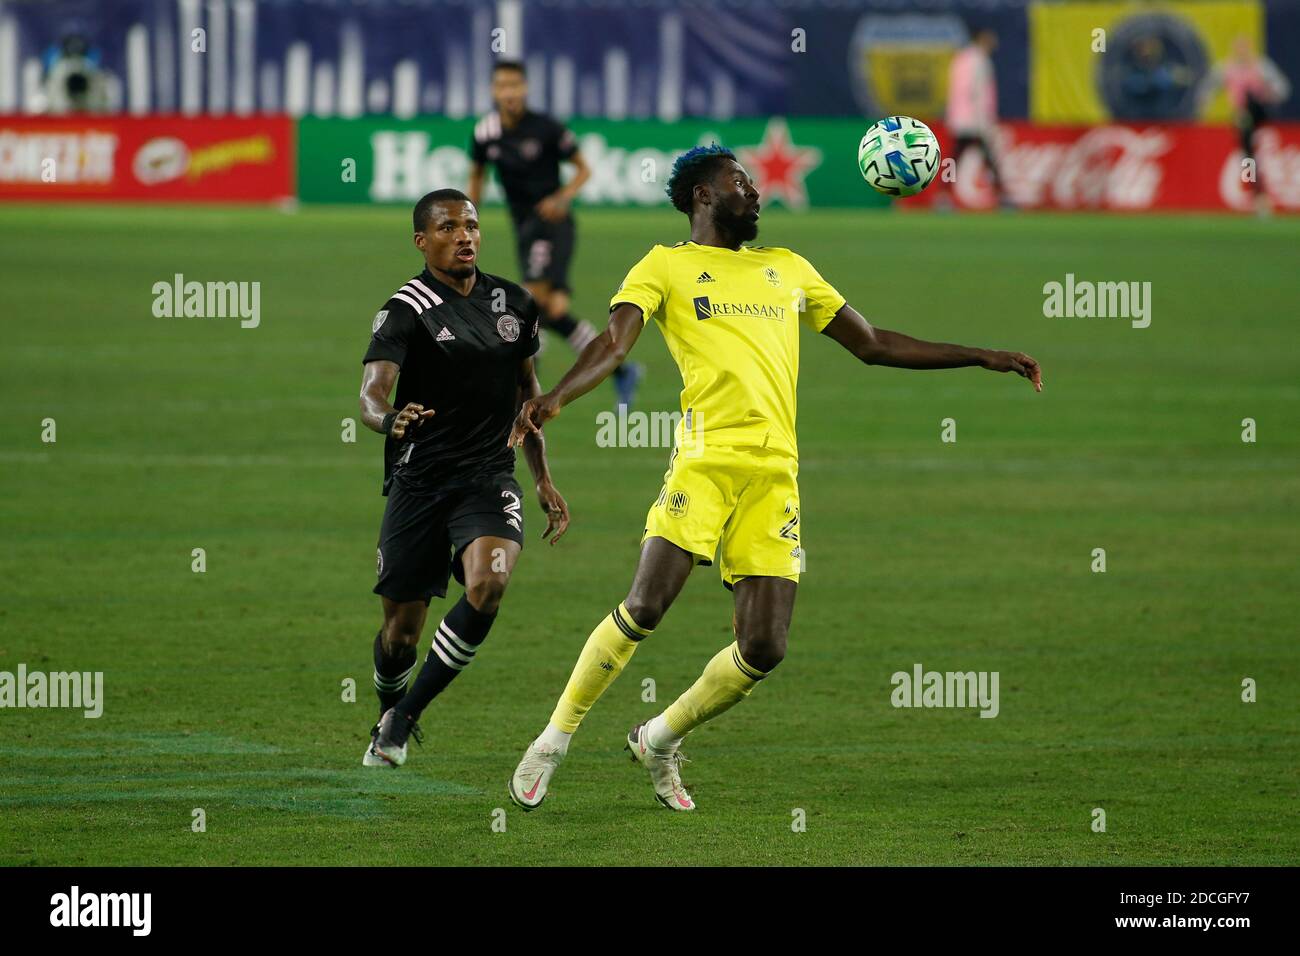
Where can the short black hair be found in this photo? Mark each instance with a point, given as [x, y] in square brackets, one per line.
[693, 167]
[515, 65]
[423, 208]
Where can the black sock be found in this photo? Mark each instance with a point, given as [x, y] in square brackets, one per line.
[391, 672]
[454, 644]
[579, 334]
[564, 325]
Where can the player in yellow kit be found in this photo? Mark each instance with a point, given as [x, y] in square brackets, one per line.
[730, 314]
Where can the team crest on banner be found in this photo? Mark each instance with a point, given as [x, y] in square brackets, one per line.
[508, 328]
[898, 63]
[380, 316]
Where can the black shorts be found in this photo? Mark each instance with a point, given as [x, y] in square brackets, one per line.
[423, 538]
[545, 249]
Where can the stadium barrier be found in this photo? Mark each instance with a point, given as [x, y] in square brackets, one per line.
[1125, 168]
[802, 162]
[798, 162]
[148, 158]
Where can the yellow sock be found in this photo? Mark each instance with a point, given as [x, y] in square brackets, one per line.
[726, 681]
[607, 650]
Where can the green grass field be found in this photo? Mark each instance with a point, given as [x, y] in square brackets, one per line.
[1119, 690]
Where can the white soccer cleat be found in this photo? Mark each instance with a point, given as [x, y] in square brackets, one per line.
[665, 768]
[532, 778]
[371, 759]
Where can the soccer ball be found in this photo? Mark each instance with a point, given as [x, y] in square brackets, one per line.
[899, 156]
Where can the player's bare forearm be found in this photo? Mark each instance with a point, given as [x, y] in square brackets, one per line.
[552, 502]
[596, 363]
[534, 443]
[376, 412]
[475, 190]
[376, 385]
[896, 350]
[582, 172]
[602, 355]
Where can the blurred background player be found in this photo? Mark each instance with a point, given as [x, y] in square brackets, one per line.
[1253, 84]
[526, 148]
[972, 110]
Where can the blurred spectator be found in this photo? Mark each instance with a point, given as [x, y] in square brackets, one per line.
[74, 82]
[1154, 82]
[1253, 83]
[972, 111]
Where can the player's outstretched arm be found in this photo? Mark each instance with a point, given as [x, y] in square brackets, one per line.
[552, 502]
[376, 385]
[883, 347]
[596, 363]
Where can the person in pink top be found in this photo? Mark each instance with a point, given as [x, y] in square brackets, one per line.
[1253, 83]
[972, 112]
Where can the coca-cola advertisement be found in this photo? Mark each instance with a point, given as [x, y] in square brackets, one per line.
[1122, 167]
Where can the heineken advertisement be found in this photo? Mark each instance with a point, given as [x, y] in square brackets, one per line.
[798, 163]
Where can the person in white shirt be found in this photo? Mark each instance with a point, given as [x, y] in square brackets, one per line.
[972, 110]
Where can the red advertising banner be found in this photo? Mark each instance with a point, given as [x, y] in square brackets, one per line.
[1124, 167]
[154, 158]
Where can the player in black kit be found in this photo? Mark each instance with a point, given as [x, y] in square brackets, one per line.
[527, 148]
[464, 342]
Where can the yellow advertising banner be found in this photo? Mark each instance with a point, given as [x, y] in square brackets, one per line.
[1095, 62]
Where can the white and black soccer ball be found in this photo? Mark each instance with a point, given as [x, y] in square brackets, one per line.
[899, 156]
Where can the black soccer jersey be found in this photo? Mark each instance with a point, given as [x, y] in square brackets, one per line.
[527, 157]
[460, 356]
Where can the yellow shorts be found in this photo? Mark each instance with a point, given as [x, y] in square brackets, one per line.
[747, 499]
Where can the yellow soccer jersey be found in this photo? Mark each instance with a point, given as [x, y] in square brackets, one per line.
[731, 321]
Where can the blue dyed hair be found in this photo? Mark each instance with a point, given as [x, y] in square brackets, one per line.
[692, 168]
